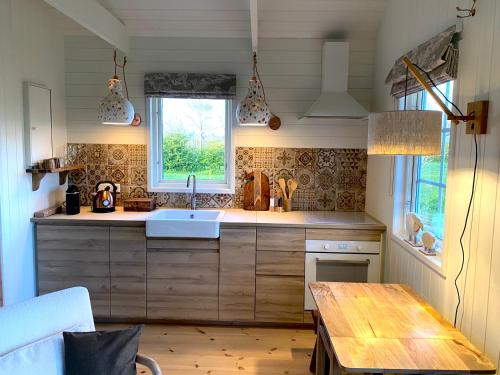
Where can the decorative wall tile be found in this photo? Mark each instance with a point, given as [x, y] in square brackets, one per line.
[346, 201]
[77, 153]
[118, 155]
[119, 174]
[137, 192]
[138, 176]
[96, 173]
[325, 200]
[244, 157]
[97, 154]
[284, 158]
[324, 179]
[263, 157]
[305, 179]
[305, 158]
[326, 158]
[137, 155]
[328, 179]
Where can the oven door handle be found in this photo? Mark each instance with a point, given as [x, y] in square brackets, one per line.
[341, 261]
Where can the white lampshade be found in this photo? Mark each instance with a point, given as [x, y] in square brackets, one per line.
[404, 133]
[253, 109]
[115, 109]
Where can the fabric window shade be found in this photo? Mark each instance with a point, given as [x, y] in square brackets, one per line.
[190, 85]
[438, 56]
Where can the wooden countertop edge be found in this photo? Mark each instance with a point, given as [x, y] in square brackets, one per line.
[141, 223]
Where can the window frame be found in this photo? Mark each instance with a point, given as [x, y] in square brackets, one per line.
[409, 165]
[154, 111]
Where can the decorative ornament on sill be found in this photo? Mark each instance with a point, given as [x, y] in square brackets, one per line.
[253, 109]
[413, 226]
[115, 108]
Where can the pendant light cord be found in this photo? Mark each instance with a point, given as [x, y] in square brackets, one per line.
[469, 206]
[257, 75]
[123, 70]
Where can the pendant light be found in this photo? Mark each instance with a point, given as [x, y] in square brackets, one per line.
[253, 109]
[115, 108]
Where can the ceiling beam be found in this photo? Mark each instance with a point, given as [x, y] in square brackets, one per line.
[95, 18]
[254, 24]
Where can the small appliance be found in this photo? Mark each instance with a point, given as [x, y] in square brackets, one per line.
[72, 200]
[104, 199]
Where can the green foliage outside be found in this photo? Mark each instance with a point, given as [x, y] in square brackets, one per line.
[180, 158]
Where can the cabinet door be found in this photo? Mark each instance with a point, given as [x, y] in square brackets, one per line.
[281, 239]
[280, 263]
[182, 284]
[279, 299]
[69, 256]
[128, 272]
[237, 274]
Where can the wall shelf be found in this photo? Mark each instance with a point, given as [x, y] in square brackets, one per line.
[37, 174]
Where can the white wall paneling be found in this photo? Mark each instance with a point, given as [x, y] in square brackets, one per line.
[479, 78]
[32, 50]
[290, 70]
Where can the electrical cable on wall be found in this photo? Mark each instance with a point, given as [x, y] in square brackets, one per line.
[469, 206]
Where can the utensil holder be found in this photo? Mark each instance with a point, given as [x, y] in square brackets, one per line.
[287, 205]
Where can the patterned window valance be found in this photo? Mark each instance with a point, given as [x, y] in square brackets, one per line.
[438, 56]
[190, 85]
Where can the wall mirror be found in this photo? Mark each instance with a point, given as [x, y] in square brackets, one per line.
[37, 123]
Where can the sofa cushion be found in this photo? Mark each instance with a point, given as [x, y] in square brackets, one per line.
[101, 352]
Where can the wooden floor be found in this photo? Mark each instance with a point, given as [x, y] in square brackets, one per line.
[189, 350]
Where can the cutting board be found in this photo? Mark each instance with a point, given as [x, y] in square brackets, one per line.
[256, 191]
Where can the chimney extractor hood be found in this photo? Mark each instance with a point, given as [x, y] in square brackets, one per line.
[334, 101]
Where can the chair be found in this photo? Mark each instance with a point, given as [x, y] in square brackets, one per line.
[31, 340]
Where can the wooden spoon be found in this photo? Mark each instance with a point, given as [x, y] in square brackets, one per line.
[292, 186]
[282, 184]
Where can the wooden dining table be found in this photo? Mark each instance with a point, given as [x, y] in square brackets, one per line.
[388, 328]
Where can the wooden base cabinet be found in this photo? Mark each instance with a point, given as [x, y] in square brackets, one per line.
[128, 272]
[279, 299]
[71, 256]
[237, 274]
[183, 279]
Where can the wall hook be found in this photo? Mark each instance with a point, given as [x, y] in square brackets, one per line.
[465, 13]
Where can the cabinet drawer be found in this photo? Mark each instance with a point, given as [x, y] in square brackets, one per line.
[344, 234]
[279, 299]
[284, 263]
[191, 244]
[281, 239]
[182, 285]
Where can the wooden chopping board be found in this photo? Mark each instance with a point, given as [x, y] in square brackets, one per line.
[256, 191]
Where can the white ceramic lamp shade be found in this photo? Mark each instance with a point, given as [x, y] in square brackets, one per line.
[115, 109]
[253, 109]
[404, 133]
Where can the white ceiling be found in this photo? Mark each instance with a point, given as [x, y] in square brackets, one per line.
[351, 19]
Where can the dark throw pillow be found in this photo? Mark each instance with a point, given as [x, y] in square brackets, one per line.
[101, 352]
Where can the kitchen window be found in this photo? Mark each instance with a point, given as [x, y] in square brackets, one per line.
[190, 135]
[427, 175]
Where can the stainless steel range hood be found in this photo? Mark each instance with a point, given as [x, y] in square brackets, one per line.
[334, 101]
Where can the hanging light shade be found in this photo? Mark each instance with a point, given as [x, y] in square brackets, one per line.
[253, 109]
[115, 109]
[404, 133]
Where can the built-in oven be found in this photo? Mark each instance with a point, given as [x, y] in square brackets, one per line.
[341, 261]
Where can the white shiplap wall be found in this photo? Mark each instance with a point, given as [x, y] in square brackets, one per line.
[479, 78]
[290, 70]
[32, 50]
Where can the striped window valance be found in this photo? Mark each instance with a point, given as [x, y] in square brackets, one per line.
[190, 85]
[438, 56]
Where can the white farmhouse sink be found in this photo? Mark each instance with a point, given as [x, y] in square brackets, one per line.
[184, 224]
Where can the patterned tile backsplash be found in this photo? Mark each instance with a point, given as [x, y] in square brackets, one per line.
[328, 179]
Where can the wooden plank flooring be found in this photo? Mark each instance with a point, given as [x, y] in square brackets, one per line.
[190, 350]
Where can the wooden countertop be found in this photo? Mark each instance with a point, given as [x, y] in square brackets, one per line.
[379, 328]
[232, 217]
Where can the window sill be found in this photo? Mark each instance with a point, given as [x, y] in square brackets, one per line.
[199, 190]
[435, 263]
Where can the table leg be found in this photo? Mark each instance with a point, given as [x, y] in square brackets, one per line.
[312, 366]
[321, 357]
